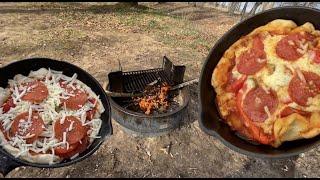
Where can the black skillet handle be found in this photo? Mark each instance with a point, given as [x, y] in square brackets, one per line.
[7, 164]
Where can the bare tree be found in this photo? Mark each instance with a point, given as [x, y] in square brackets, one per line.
[254, 8]
[232, 7]
[244, 10]
[238, 7]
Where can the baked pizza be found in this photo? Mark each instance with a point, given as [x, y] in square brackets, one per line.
[47, 117]
[268, 83]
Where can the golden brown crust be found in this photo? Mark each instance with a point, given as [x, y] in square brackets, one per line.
[292, 127]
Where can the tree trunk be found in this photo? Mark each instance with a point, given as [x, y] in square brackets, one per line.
[238, 7]
[232, 7]
[254, 8]
[243, 13]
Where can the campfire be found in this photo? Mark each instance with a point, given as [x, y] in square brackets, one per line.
[146, 101]
[155, 98]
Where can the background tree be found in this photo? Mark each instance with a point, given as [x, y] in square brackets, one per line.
[254, 8]
[238, 7]
[243, 13]
[232, 8]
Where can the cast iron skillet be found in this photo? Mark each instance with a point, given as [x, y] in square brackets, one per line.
[7, 161]
[211, 123]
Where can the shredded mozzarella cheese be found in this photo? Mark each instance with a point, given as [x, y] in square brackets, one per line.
[50, 112]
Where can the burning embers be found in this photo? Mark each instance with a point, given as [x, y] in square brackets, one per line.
[155, 98]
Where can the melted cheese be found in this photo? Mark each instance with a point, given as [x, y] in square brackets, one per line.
[277, 79]
[314, 104]
[235, 73]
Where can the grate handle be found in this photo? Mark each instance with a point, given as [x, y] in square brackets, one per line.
[187, 83]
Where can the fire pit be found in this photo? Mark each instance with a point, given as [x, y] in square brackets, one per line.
[127, 112]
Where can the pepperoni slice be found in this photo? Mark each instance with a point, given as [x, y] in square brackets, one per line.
[258, 47]
[73, 148]
[287, 47]
[38, 92]
[92, 112]
[316, 56]
[63, 150]
[256, 101]
[77, 101]
[22, 127]
[234, 85]
[289, 110]
[75, 135]
[80, 147]
[255, 132]
[300, 91]
[8, 105]
[253, 60]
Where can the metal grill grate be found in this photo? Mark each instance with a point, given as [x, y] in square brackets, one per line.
[136, 81]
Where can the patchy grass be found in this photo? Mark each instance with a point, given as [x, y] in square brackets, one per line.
[170, 29]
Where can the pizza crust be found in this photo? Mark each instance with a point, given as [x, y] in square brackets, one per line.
[39, 159]
[4, 95]
[292, 127]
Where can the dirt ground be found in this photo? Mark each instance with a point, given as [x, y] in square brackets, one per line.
[96, 37]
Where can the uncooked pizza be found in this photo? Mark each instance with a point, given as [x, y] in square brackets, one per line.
[47, 117]
[268, 83]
